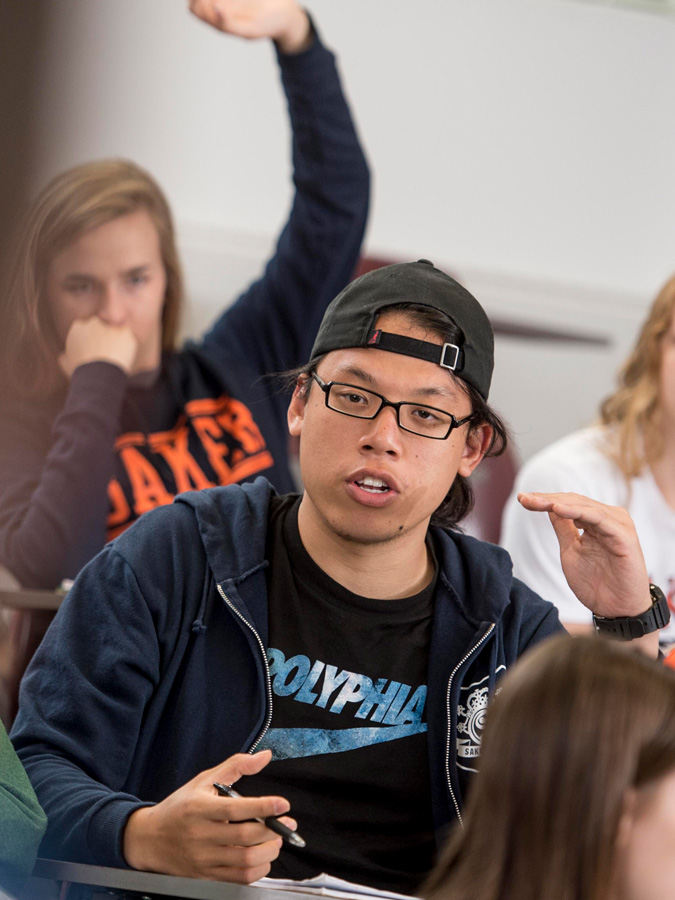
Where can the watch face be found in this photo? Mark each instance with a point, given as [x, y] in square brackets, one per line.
[660, 606]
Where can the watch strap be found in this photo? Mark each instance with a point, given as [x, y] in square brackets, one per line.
[627, 628]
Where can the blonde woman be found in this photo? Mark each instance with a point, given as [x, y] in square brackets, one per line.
[102, 416]
[575, 794]
[627, 459]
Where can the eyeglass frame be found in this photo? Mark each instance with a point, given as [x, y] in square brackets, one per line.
[327, 385]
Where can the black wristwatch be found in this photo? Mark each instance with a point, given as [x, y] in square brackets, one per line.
[627, 628]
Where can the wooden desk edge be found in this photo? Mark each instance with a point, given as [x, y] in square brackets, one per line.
[31, 599]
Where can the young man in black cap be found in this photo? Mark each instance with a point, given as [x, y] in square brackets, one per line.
[339, 633]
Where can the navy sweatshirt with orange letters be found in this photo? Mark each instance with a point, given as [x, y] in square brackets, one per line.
[79, 467]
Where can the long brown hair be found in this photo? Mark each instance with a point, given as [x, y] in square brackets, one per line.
[576, 725]
[633, 410]
[76, 201]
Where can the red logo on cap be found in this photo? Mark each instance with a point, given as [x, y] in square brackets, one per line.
[375, 337]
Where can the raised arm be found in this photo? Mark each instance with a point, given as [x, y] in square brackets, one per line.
[57, 458]
[272, 326]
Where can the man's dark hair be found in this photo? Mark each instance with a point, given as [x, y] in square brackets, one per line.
[459, 500]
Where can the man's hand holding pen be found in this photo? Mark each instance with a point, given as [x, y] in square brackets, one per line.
[196, 833]
[271, 822]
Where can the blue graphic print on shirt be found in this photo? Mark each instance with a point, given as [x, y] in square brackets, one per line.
[322, 685]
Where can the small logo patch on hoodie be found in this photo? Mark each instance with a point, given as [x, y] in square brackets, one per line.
[470, 720]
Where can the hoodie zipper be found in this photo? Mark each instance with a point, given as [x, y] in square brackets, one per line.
[449, 715]
[268, 679]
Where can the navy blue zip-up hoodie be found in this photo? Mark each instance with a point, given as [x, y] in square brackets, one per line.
[155, 667]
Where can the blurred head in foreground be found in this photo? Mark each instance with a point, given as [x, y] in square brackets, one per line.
[575, 797]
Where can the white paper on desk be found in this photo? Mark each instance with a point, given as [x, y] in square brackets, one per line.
[329, 886]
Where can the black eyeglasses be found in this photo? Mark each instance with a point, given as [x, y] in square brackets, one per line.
[427, 421]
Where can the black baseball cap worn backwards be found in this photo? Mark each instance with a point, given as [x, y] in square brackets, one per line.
[350, 320]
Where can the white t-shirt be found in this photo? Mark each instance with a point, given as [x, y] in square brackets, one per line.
[579, 463]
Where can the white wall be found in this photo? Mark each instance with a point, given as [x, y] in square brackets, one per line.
[525, 144]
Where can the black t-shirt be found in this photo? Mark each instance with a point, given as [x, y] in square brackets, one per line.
[348, 729]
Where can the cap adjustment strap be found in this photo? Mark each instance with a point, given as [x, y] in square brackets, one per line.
[449, 356]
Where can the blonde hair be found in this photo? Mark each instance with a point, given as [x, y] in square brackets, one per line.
[76, 201]
[578, 723]
[633, 411]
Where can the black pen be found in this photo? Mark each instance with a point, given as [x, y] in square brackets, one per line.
[271, 822]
